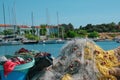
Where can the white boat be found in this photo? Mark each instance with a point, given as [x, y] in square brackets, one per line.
[29, 42]
[48, 42]
[59, 41]
[10, 43]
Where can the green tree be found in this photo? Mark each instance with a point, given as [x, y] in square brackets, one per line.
[18, 30]
[8, 32]
[33, 30]
[82, 33]
[43, 30]
[31, 37]
[80, 27]
[67, 27]
[93, 34]
[70, 26]
[119, 23]
[71, 34]
[27, 31]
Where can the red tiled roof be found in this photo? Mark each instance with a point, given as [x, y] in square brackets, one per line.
[23, 26]
[5, 25]
[37, 27]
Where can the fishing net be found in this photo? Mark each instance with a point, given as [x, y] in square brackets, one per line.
[82, 59]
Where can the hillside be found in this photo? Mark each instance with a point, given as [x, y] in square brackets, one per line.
[109, 35]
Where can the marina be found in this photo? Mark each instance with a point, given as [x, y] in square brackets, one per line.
[52, 40]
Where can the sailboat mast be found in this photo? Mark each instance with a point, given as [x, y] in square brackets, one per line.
[4, 16]
[32, 18]
[14, 14]
[47, 19]
[14, 18]
[58, 24]
[9, 15]
[32, 23]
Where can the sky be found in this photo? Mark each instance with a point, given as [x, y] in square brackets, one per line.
[53, 12]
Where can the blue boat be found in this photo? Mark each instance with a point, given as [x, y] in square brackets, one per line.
[19, 72]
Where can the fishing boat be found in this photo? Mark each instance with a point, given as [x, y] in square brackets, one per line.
[19, 72]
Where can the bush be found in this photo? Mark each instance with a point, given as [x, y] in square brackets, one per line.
[31, 37]
[71, 34]
[93, 34]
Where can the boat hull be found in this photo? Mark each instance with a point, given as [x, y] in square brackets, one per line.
[19, 73]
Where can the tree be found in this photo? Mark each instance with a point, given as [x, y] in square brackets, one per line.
[71, 34]
[82, 33]
[27, 31]
[33, 30]
[80, 27]
[93, 34]
[18, 30]
[67, 27]
[119, 23]
[31, 37]
[70, 26]
[89, 28]
[43, 30]
[8, 32]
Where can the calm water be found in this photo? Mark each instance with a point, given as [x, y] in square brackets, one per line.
[108, 45]
[54, 49]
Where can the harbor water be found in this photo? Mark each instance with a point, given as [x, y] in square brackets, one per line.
[54, 49]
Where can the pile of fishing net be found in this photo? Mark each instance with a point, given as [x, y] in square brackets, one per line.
[82, 59]
[42, 60]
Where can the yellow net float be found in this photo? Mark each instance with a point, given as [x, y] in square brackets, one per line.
[67, 77]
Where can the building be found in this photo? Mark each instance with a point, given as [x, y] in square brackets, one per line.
[6, 27]
[22, 29]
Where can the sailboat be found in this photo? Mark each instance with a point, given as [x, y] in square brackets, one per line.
[10, 39]
[60, 41]
[14, 67]
[27, 41]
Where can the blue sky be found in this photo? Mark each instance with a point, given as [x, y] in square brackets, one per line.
[77, 12]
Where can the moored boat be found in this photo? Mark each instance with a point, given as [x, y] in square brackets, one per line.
[48, 42]
[15, 67]
[59, 41]
[29, 42]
